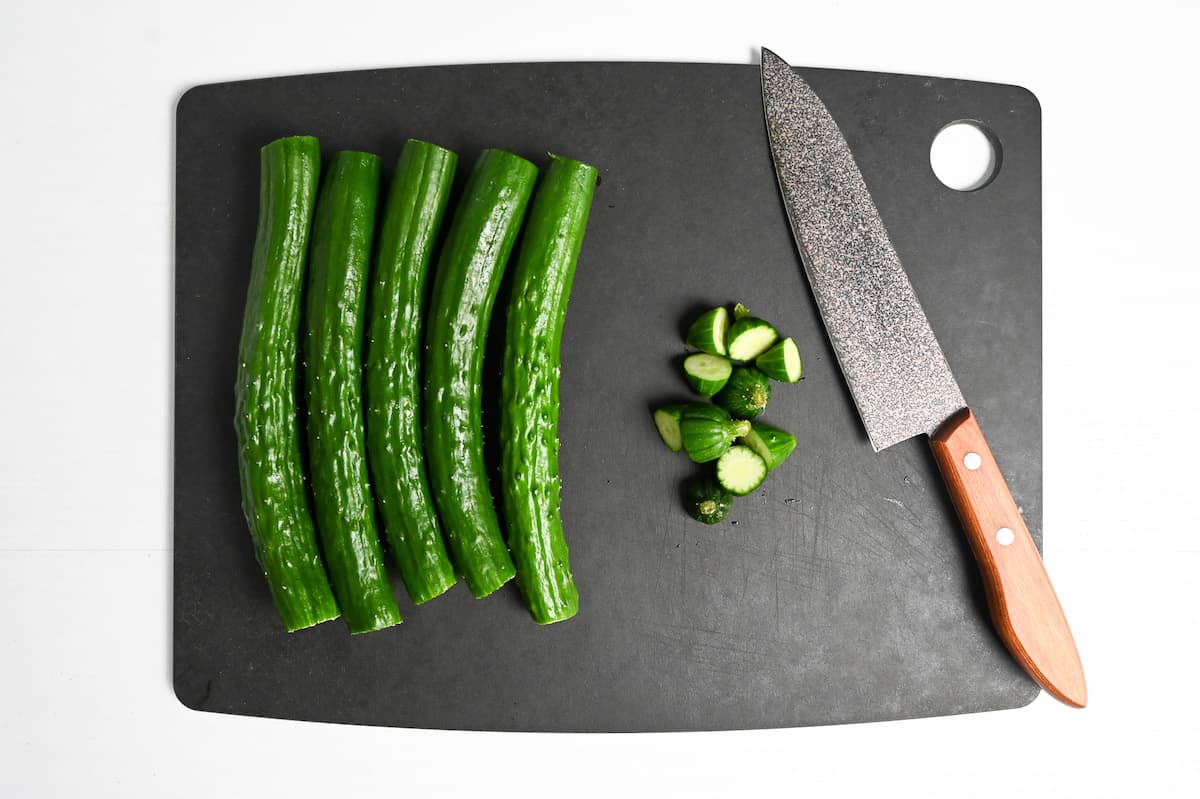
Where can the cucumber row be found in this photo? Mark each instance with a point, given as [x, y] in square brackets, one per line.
[739, 355]
[408, 451]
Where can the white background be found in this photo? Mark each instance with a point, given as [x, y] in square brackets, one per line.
[87, 95]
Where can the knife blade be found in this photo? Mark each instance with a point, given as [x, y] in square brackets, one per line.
[897, 373]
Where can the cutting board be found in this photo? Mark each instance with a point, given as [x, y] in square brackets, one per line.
[841, 591]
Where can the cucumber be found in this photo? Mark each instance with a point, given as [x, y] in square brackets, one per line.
[707, 333]
[705, 373]
[343, 227]
[416, 205]
[781, 362]
[270, 464]
[746, 393]
[667, 419]
[749, 337]
[772, 444]
[707, 439]
[530, 485]
[704, 410]
[741, 470]
[707, 500]
[471, 263]
[740, 312]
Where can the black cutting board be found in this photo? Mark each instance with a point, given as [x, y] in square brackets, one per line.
[841, 591]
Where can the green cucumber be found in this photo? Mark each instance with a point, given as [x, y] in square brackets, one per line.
[707, 333]
[666, 421]
[740, 312]
[707, 500]
[705, 373]
[270, 464]
[772, 444]
[530, 485]
[746, 393]
[749, 337]
[339, 261]
[482, 231]
[781, 362]
[667, 418]
[707, 439]
[705, 410]
[741, 470]
[416, 205]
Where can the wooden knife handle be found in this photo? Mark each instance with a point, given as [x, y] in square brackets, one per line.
[1024, 607]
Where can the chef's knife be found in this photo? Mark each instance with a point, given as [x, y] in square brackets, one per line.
[897, 373]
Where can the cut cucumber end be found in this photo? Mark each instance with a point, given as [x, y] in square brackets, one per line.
[750, 337]
[319, 615]
[373, 623]
[706, 373]
[667, 422]
[707, 367]
[741, 470]
[772, 444]
[782, 362]
[553, 612]
[563, 616]
[489, 580]
[433, 591]
[707, 333]
[740, 312]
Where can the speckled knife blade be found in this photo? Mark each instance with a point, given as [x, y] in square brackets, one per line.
[889, 355]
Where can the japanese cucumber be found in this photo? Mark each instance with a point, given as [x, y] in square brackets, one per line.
[417, 201]
[529, 404]
[343, 229]
[270, 463]
[472, 261]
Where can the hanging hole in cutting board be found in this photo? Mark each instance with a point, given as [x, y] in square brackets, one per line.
[965, 155]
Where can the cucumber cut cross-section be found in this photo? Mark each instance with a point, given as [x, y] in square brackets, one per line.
[707, 374]
[741, 470]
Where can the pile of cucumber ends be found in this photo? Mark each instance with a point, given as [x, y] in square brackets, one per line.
[738, 357]
[389, 442]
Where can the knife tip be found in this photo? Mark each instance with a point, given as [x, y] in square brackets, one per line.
[771, 64]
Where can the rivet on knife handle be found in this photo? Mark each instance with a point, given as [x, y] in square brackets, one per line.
[1024, 607]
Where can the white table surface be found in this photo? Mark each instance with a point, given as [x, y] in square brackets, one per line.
[87, 95]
